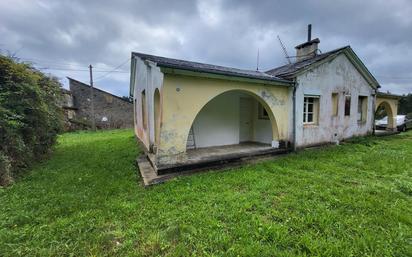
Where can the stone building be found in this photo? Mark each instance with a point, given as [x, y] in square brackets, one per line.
[110, 111]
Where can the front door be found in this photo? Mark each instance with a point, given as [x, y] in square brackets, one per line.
[245, 126]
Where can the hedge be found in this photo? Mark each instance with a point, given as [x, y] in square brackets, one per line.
[30, 116]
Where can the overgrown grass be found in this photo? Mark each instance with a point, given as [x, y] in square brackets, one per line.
[348, 200]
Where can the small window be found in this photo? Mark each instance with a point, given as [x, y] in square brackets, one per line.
[144, 115]
[310, 109]
[362, 108]
[347, 105]
[335, 104]
[262, 113]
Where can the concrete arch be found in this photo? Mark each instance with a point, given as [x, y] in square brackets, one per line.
[259, 99]
[187, 96]
[157, 115]
[391, 111]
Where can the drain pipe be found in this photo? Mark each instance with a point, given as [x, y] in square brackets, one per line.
[374, 112]
[295, 86]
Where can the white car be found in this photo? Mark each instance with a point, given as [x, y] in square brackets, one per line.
[403, 122]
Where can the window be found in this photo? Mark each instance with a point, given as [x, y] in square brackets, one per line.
[335, 104]
[362, 108]
[262, 113]
[347, 105]
[310, 109]
[144, 115]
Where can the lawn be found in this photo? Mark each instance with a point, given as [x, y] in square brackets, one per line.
[86, 200]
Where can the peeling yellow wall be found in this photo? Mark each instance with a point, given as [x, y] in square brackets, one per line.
[184, 97]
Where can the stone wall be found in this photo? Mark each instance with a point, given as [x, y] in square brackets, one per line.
[110, 111]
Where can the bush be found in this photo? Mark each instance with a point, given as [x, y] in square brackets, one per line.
[30, 117]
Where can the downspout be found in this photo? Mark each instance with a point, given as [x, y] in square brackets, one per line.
[295, 86]
[374, 112]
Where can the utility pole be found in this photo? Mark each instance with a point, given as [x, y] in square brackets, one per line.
[92, 98]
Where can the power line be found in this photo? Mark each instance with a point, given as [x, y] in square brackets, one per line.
[114, 70]
[64, 69]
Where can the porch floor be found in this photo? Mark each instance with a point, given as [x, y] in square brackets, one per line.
[223, 152]
[216, 157]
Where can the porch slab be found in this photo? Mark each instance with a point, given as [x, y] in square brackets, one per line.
[209, 158]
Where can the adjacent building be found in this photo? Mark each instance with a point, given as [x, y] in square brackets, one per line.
[83, 105]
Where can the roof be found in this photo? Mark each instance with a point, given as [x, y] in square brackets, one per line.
[97, 89]
[208, 68]
[290, 71]
[388, 95]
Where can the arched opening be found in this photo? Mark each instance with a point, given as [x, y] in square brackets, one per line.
[236, 117]
[384, 117]
[144, 112]
[157, 115]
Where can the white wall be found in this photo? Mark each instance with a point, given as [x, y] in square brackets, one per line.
[148, 77]
[340, 76]
[218, 122]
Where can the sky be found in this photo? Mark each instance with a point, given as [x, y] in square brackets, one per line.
[62, 37]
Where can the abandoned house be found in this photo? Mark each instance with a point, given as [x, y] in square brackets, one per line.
[109, 111]
[189, 114]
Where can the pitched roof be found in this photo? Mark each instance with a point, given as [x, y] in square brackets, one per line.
[95, 88]
[289, 71]
[208, 68]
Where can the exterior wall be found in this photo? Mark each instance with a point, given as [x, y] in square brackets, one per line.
[148, 78]
[185, 96]
[336, 76]
[110, 111]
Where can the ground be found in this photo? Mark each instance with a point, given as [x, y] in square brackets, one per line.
[86, 200]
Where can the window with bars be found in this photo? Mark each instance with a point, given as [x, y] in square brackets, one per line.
[310, 109]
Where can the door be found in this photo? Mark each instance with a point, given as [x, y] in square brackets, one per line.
[245, 118]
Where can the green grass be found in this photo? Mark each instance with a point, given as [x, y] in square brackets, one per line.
[86, 200]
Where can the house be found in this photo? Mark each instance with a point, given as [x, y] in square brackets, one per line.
[109, 111]
[188, 115]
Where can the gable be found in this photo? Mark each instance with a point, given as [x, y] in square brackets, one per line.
[291, 71]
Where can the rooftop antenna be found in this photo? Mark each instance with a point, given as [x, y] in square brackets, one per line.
[257, 61]
[284, 50]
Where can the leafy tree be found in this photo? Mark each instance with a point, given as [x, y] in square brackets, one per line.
[30, 117]
[405, 104]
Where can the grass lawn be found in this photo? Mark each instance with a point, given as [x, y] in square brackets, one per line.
[86, 200]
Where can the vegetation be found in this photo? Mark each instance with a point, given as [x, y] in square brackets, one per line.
[29, 116]
[405, 104]
[349, 200]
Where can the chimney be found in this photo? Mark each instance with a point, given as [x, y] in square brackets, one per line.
[308, 49]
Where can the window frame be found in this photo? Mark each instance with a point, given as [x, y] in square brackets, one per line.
[315, 109]
[362, 116]
[262, 112]
[335, 104]
[348, 102]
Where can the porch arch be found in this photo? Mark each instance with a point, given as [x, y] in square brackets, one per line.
[253, 95]
[390, 111]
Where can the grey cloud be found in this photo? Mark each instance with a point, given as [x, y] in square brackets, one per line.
[225, 32]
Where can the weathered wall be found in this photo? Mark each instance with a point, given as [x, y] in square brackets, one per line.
[110, 111]
[148, 79]
[336, 76]
[185, 96]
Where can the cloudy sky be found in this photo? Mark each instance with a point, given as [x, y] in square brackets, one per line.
[63, 37]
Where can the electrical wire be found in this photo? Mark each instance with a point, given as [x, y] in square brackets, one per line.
[114, 70]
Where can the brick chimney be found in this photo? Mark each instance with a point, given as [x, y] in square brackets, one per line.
[308, 49]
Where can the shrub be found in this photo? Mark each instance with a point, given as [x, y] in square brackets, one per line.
[30, 117]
